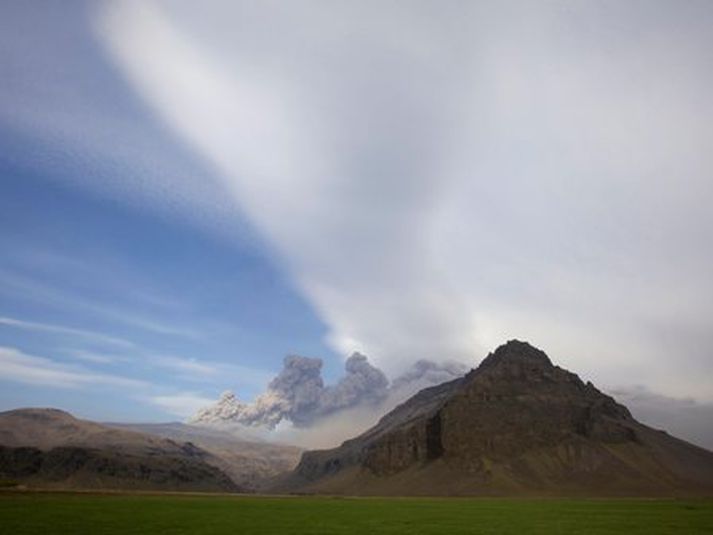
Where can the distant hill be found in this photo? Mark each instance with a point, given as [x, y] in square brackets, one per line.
[251, 464]
[515, 425]
[51, 448]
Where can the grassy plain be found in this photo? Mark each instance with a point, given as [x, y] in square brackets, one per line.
[127, 514]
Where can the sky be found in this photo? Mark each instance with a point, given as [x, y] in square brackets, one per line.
[188, 195]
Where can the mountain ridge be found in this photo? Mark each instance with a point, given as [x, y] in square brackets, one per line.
[249, 462]
[46, 447]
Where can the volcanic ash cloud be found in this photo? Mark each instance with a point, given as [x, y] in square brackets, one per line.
[298, 394]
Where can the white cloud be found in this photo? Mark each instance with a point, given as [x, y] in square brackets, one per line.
[20, 367]
[94, 358]
[60, 329]
[441, 178]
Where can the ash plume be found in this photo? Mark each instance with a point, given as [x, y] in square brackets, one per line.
[429, 372]
[298, 394]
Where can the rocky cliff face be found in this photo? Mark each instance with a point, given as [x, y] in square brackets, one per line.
[517, 423]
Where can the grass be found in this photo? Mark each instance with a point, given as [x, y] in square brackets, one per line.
[127, 514]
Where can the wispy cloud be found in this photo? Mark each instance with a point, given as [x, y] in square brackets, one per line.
[37, 290]
[202, 370]
[184, 405]
[186, 365]
[61, 329]
[96, 358]
[20, 367]
[112, 272]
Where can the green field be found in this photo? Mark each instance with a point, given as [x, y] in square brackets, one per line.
[125, 514]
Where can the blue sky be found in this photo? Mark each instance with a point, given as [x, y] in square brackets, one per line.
[187, 195]
[171, 295]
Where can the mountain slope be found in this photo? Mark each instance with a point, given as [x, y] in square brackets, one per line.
[51, 448]
[249, 463]
[515, 425]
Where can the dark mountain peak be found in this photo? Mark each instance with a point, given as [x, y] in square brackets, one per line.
[516, 353]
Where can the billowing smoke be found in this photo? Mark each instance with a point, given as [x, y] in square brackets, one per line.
[298, 394]
[362, 384]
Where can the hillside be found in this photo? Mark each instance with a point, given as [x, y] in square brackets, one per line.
[249, 463]
[51, 448]
[515, 425]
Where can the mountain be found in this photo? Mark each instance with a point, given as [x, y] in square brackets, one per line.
[51, 448]
[515, 425]
[249, 463]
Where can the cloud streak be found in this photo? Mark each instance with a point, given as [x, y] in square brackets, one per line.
[70, 331]
[21, 367]
[32, 289]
